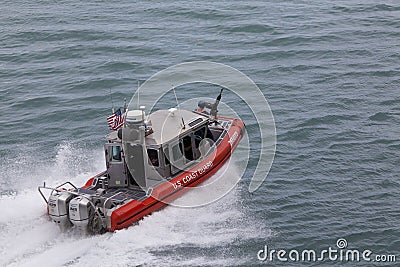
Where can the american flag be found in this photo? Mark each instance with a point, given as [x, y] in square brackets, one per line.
[116, 120]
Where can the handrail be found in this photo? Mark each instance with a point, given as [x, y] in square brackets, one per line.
[52, 189]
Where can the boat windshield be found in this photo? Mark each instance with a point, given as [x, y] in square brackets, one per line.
[116, 153]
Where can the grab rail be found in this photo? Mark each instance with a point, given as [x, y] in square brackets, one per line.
[53, 189]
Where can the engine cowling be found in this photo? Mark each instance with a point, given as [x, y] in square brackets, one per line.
[80, 211]
[83, 215]
[58, 208]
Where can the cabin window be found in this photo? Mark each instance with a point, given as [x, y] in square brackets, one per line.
[187, 145]
[153, 157]
[177, 151]
[199, 135]
[116, 153]
[209, 134]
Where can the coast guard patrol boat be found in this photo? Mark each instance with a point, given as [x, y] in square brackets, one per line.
[150, 161]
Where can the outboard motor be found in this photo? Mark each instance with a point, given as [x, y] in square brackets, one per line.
[58, 208]
[79, 211]
[83, 215]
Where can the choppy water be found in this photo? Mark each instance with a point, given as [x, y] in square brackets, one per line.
[329, 69]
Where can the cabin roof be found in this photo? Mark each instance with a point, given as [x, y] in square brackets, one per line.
[168, 125]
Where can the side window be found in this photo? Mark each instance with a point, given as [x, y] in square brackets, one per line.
[116, 153]
[199, 135]
[187, 147]
[209, 134]
[177, 151]
[153, 157]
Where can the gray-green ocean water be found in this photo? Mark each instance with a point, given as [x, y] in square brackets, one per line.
[329, 69]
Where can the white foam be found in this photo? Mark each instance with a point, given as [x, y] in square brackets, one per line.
[31, 239]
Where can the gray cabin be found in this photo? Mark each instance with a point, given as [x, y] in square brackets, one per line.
[148, 150]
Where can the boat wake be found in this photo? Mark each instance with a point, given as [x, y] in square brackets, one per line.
[172, 236]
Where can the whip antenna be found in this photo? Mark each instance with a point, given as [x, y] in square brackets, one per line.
[176, 98]
[112, 102]
[138, 93]
[177, 104]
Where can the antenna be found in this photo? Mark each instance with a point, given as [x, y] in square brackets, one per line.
[183, 122]
[138, 93]
[177, 104]
[112, 102]
[176, 98]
